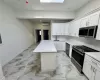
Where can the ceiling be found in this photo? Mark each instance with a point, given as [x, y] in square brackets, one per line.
[68, 5]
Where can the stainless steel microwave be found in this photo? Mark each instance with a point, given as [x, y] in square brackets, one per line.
[88, 31]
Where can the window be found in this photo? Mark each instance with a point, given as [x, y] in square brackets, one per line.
[51, 1]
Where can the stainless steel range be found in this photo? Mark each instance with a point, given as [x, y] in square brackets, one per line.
[78, 53]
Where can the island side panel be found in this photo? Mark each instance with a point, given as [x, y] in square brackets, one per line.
[48, 61]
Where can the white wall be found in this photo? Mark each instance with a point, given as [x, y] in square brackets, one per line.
[45, 14]
[90, 7]
[15, 36]
[28, 24]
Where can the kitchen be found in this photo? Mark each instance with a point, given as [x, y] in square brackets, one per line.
[73, 36]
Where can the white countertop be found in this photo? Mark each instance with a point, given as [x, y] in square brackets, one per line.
[46, 46]
[95, 55]
[72, 43]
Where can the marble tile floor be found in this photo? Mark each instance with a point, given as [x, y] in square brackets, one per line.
[26, 66]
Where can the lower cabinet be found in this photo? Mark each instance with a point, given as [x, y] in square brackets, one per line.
[87, 69]
[97, 75]
[60, 46]
[91, 68]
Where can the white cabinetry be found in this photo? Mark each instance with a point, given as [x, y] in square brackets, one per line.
[74, 28]
[70, 29]
[98, 31]
[84, 22]
[91, 68]
[59, 29]
[91, 20]
[94, 19]
[97, 75]
[60, 46]
[54, 28]
[67, 25]
[87, 67]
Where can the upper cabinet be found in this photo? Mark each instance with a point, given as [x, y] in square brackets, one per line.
[74, 28]
[94, 19]
[54, 28]
[91, 20]
[84, 22]
[67, 25]
[59, 29]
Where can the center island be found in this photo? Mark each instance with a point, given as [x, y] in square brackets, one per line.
[48, 52]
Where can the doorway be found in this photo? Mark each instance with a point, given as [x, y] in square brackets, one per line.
[38, 36]
[46, 34]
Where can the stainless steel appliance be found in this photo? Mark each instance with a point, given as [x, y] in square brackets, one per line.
[0, 40]
[88, 31]
[67, 49]
[78, 53]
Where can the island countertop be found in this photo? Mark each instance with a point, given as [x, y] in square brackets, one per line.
[46, 46]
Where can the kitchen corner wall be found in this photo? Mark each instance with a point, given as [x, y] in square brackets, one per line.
[15, 36]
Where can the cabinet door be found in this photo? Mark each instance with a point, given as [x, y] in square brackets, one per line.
[58, 28]
[66, 29]
[94, 19]
[71, 30]
[60, 46]
[84, 22]
[87, 69]
[54, 28]
[97, 75]
[57, 45]
[76, 28]
[62, 28]
[63, 46]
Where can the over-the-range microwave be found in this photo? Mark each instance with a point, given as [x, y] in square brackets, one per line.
[88, 31]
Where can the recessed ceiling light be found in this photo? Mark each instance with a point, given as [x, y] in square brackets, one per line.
[51, 1]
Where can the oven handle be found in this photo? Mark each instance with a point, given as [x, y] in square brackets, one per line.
[78, 52]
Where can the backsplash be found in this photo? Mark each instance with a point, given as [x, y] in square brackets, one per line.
[90, 42]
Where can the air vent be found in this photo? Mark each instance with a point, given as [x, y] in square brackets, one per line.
[45, 23]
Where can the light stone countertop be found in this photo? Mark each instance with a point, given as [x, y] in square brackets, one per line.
[46, 46]
[95, 55]
[71, 42]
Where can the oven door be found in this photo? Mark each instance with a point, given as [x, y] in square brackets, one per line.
[77, 59]
[78, 56]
